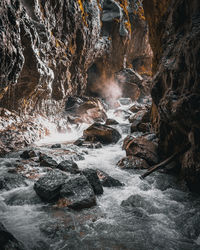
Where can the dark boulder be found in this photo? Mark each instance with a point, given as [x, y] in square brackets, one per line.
[111, 122]
[47, 161]
[9, 181]
[132, 162]
[27, 154]
[56, 145]
[48, 186]
[93, 179]
[8, 241]
[108, 181]
[101, 133]
[78, 193]
[68, 166]
[141, 148]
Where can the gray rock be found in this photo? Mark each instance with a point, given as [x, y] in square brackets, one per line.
[108, 181]
[48, 186]
[9, 181]
[93, 179]
[78, 193]
[69, 166]
[47, 161]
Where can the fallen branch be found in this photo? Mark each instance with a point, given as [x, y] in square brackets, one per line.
[165, 162]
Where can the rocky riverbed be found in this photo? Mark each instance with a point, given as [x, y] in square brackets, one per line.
[85, 192]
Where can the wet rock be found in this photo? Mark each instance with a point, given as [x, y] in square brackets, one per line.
[111, 122]
[136, 107]
[141, 148]
[132, 162]
[101, 133]
[79, 142]
[68, 166]
[48, 186]
[125, 101]
[47, 161]
[138, 201]
[93, 179]
[108, 181]
[27, 154]
[78, 193]
[140, 127]
[9, 181]
[8, 241]
[56, 145]
[85, 109]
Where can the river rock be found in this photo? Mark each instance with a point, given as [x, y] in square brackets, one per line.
[9, 181]
[47, 161]
[78, 193]
[27, 154]
[8, 240]
[141, 148]
[108, 181]
[132, 162]
[101, 133]
[93, 179]
[48, 186]
[110, 121]
[68, 166]
[85, 109]
[57, 145]
[140, 127]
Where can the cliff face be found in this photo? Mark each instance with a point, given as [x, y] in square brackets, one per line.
[46, 47]
[174, 37]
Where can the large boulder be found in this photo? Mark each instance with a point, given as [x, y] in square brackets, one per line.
[101, 133]
[27, 154]
[140, 121]
[132, 162]
[8, 241]
[141, 148]
[93, 179]
[68, 166]
[78, 193]
[48, 186]
[85, 109]
[108, 181]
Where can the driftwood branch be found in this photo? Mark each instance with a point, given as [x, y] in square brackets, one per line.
[165, 162]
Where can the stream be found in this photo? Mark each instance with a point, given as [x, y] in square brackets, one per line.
[160, 213]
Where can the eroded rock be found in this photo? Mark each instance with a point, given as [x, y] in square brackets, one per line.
[108, 181]
[68, 166]
[48, 186]
[101, 133]
[78, 193]
[93, 179]
[141, 148]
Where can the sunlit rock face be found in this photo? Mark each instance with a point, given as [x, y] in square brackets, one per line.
[174, 37]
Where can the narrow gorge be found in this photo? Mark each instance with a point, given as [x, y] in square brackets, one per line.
[99, 124]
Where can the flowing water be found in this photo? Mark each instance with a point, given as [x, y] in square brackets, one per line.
[159, 215]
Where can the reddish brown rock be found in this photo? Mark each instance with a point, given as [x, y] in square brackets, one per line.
[101, 133]
[141, 148]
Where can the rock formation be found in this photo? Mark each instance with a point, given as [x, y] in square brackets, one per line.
[174, 37]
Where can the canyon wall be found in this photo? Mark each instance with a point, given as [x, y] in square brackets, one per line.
[47, 47]
[174, 36]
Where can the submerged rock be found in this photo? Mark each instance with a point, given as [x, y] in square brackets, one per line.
[108, 181]
[68, 166]
[56, 145]
[48, 186]
[8, 241]
[132, 162]
[27, 154]
[9, 181]
[101, 133]
[141, 148]
[93, 179]
[78, 193]
[111, 122]
[47, 161]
